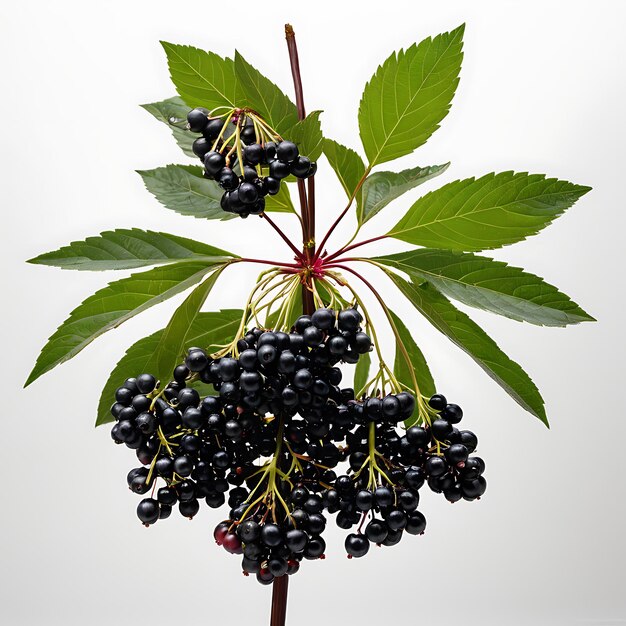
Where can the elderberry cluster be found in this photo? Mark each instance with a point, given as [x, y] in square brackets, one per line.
[454, 473]
[272, 548]
[269, 442]
[437, 454]
[202, 448]
[265, 163]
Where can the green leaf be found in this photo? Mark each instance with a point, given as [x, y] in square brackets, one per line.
[402, 369]
[173, 113]
[281, 202]
[347, 164]
[489, 212]
[308, 135]
[362, 372]
[183, 189]
[380, 188]
[409, 95]
[113, 305]
[490, 285]
[262, 95]
[171, 348]
[137, 360]
[208, 330]
[204, 389]
[473, 340]
[201, 78]
[129, 248]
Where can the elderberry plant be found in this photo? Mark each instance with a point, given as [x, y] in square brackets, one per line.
[245, 409]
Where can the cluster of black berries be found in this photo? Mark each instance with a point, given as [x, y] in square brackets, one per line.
[202, 448]
[267, 445]
[275, 545]
[282, 373]
[437, 454]
[454, 473]
[245, 191]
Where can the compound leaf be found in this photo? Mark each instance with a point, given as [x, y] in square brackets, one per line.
[362, 372]
[490, 285]
[347, 164]
[113, 305]
[171, 348]
[417, 361]
[173, 113]
[408, 96]
[262, 95]
[475, 342]
[381, 188]
[489, 212]
[202, 79]
[127, 248]
[183, 189]
[307, 133]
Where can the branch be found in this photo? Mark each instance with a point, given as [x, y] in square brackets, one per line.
[286, 239]
[358, 244]
[307, 206]
[343, 213]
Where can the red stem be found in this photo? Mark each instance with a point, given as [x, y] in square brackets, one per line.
[334, 255]
[311, 210]
[268, 262]
[320, 250]
[290, 35]
[281, 584]
[284, 237]
[304, 209]
[360, 277]
[307, 204]
[279, 601]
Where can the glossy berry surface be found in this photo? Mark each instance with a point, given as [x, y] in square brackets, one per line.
[278, 406]
[247, 167]
[197, 119]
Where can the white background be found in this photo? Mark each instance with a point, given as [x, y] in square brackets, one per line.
[542, 90]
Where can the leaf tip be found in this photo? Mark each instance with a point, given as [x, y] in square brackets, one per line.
[460, 29]
[32, 377]
[539, 411]
[585, 317]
